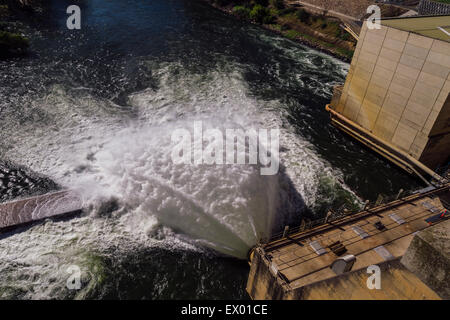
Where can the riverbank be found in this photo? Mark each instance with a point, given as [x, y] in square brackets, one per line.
[320, 32]
[316, 31]
[12, 42]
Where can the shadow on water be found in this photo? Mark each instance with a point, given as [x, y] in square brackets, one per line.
[150, 273]
[292, 207]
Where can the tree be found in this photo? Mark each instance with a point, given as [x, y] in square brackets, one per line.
[261, 15]
[242, 12]
[303, 15]
[277, 4]
[263, 3]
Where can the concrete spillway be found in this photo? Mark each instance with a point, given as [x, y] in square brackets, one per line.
[40, 207]
[406, 238]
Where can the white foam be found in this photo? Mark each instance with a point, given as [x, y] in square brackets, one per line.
[91, 148]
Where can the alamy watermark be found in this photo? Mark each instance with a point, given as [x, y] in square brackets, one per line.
[374, 281]
[74, 280]
[74, 20]
[210, 147]
[373, 21]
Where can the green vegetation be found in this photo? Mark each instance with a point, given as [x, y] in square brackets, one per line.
[261, 14]
[257, 11]
[263, 3]
[287, 11]
[295, 23]
[277, 4]
[303, 16]
[242, 12]
[293, 34]
[332, 196]
[12, 43]
[4, 11]
[443, 1]
[222, 2]
[345, 52]
[325, 25]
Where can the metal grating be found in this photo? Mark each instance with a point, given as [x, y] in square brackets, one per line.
[430, 207]
[397, 218]
[338, 248]
[317, 247]
[360, 232]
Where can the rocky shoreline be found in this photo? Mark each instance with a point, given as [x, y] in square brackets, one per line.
[315, 46]
[13, 42]
[305, 39]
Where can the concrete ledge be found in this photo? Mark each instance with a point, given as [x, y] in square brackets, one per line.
[397, 283]
[23, 211]
[428, 257]
[264, 282]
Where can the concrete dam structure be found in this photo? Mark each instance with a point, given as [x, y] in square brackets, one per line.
[407, 239]
[396, 95]
[147, 220]
[396, 101]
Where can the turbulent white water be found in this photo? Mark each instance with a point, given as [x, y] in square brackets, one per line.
[110, 155]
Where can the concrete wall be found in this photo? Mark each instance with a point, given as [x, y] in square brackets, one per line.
[263, 282]
[428, 256]
[438, 145]
[423, 273]
[398, 88]
[397, 283]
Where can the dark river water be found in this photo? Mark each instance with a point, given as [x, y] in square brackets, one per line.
[93, 110]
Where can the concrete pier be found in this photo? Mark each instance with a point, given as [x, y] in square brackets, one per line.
[302, 265]
[37, 208]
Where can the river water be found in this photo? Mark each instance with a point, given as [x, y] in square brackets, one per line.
[93, 110]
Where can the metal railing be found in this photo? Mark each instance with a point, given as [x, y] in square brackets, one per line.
[307, 224]
[428, 7]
